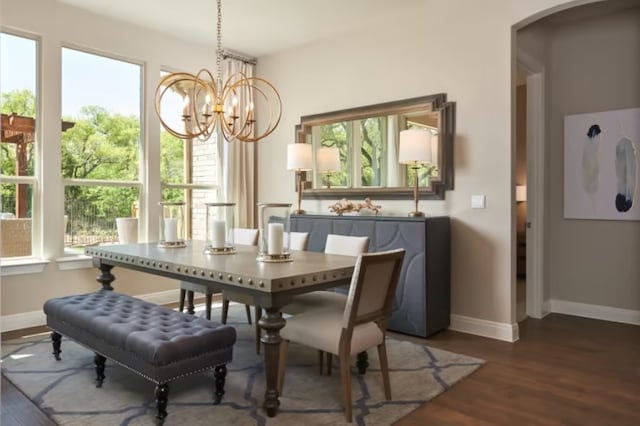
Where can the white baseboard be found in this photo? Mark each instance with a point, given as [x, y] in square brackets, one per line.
[38, 318]
[607, 313]
[495, 330]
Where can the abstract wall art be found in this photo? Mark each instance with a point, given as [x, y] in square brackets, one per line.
[601, 165]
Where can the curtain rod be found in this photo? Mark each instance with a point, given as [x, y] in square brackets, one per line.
[240, 57]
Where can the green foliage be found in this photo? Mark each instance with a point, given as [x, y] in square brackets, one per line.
[21, 102]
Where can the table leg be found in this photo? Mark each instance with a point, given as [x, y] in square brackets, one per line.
[271, 323]
[106, 277]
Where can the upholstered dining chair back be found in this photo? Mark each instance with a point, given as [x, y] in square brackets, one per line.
[298, 240]
[373, 287]
[245, 236]
[346, 245]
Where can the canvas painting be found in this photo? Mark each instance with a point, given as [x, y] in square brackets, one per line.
[601, 162]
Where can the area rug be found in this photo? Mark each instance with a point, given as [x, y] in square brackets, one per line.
[66, 391]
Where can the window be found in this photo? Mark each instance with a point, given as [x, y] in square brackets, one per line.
[18, 76]
[101, 104]
[362, 147]
[188, 169]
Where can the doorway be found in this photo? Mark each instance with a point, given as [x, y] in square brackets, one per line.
[529, 180]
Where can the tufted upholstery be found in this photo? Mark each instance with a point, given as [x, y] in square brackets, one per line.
[156, 342]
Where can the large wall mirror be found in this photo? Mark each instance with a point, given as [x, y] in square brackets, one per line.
[355, 151]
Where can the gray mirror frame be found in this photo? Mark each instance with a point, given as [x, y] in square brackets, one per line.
[433, 103]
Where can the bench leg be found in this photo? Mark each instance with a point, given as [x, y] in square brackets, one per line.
[162, 398]
[99, 361]
[56, 340]
[220, 373]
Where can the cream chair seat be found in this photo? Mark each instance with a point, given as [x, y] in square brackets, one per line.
[359, 326]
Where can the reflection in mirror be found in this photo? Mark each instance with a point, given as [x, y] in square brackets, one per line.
[356, 150]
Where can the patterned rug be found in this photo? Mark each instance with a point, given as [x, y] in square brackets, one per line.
[65, 389]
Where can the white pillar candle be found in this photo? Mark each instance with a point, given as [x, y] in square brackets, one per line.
[275, 233]
[218, 233]
[170, 229]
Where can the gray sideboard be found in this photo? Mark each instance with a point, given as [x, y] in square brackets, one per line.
[422, 304]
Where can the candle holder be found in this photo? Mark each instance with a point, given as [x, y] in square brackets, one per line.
[172, 232]
[220, 224]
[274, 222]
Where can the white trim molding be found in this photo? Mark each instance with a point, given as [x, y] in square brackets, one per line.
[38, 318]
[495, 330]
[21, 266]
[606, 313]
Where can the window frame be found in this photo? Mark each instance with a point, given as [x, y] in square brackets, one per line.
[142, 148]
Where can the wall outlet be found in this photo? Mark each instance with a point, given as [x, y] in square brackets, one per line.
[478, 201]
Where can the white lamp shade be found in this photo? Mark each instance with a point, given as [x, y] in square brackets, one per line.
[521, 193]
[299, 156]
[328, 159]
[415, 146]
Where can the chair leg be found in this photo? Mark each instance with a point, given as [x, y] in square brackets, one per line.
[191, 309]
[248, 309]
[208, 302]
[282, 364]
[329, 363]
[363, 362]
[384, 368]
[345, 372]
[225, 309]
[320, 361]
[258, 310]
[183, 294]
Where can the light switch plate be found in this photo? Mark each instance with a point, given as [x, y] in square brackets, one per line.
[478, 201]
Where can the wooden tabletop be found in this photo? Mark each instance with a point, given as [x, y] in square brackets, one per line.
[242, 269]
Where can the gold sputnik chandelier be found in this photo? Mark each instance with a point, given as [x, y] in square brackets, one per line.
[211, 104]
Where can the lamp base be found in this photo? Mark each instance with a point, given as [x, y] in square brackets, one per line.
[299, 211]
[416, 214]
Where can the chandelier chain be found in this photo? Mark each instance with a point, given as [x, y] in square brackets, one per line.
[219, 46]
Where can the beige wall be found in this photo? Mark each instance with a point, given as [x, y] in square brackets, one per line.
[459, 47]
[594, 66]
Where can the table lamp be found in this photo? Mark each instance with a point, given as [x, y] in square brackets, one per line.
[328, 162]
[299, 159]
[415, 150]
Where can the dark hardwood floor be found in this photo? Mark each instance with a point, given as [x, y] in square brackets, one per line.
[564, 370]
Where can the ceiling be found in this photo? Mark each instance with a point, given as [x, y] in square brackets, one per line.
[252, 27]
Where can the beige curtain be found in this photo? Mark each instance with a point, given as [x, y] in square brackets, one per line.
[237, 176]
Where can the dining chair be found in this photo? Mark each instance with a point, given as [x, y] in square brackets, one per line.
[336, 244]
[360, 325]
[241, 236]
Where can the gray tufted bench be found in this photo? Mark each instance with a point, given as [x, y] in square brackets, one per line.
[156, 342]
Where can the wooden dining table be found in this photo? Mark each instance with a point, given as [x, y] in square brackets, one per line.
[270, 285]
